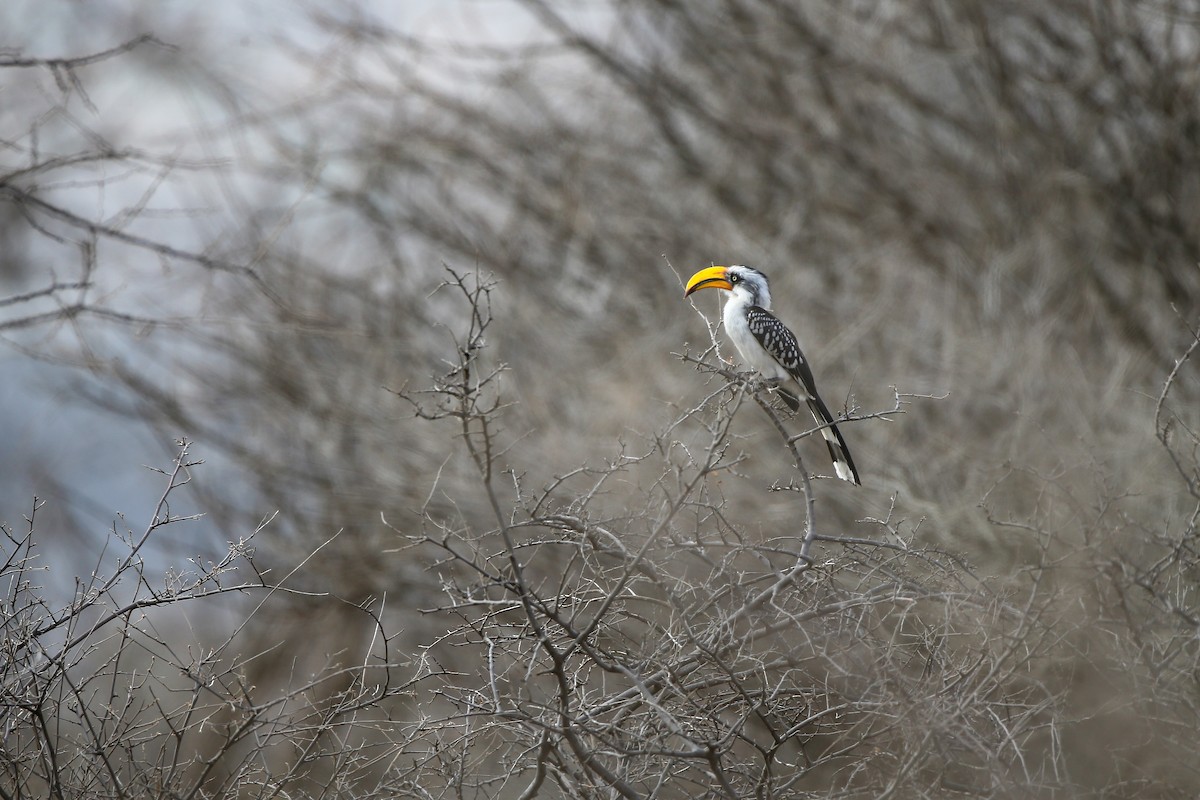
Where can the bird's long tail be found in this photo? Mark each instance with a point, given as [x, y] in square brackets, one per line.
[843, 464]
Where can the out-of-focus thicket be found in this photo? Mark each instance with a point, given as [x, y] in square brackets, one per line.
[421, 294]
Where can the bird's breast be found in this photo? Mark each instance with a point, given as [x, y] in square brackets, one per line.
[737, 328]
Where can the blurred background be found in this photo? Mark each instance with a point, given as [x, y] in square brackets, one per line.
[227, 221]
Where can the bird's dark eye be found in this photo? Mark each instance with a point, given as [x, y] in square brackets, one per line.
[735, 278]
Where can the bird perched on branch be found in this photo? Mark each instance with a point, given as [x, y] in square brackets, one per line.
[771, 349]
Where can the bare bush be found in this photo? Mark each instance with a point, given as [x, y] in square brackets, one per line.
[629, 628]
[136, 686]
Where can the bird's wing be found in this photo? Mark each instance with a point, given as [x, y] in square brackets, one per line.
[778, 340]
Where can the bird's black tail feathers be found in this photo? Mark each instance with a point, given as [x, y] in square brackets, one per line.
[843, 464]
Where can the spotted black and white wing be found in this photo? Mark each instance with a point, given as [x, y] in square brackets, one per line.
[780, 343]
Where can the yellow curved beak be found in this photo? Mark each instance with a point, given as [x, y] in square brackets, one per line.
[708, 278]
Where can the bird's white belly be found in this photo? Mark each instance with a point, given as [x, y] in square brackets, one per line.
[753, 354]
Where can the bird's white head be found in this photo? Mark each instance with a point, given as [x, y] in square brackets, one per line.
[746, 284]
